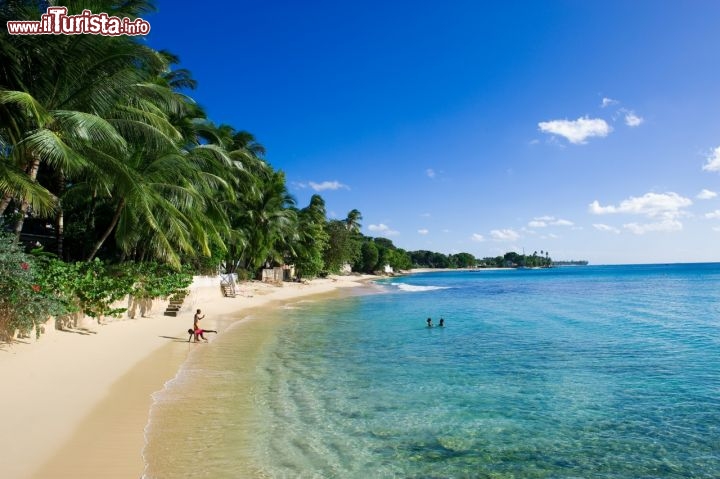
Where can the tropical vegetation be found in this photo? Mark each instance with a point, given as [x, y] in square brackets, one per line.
[120, 183]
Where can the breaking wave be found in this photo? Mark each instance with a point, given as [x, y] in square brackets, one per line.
[412, 288]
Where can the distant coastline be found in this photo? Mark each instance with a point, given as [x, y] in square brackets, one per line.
[581, 262]
[479, 268]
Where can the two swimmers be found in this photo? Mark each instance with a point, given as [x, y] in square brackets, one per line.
[430, 323]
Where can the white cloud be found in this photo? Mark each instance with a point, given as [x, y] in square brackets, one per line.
[504, 235]
[666, 205]
[423, 231]
[606, 102]
[576, 131]
[327, 185]
[430, 173]
[706, 195]
[477, 237]
[608, 228]
[716, 228]
[666, 226]
[714, 215]
[713, 161]
[383, 229]
[544, 221]
[632, 120]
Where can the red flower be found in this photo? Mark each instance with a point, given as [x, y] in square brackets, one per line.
[24, 266]
[36, 288]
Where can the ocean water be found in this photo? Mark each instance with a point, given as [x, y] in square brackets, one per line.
[577, 372]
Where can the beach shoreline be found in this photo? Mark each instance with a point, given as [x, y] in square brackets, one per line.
[77, 402]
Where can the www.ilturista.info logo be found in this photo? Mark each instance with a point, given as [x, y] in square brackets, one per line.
[57, 22]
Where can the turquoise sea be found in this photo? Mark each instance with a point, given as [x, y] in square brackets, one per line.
[575, 372]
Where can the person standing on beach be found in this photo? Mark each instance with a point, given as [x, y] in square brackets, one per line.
[197, 329]
[196, 320]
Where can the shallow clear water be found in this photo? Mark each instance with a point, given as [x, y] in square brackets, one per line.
[580, 372]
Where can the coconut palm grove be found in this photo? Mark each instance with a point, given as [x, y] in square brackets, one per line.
[114, 181]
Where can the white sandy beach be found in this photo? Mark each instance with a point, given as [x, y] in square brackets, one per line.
[76, 402]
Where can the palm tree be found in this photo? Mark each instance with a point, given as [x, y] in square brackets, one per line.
[267, 221]
[57, 108]
[311, 238]
[352, 222]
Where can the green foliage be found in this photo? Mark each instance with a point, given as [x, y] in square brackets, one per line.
[24, 302]
[96, 287]
[153, 280]
[400, 260]
[465, 260]
[343, 246]
[92, 287]
[369, 257]
[312, 239]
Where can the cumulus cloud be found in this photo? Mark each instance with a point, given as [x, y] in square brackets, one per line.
[430, 173]
[576, 131]
[477, 237]
[714, 215]
[423, 231]
[544, 221]
[504, 235]
[713, 161]
[706, 195]
[668, 205]
[664, 207]
[608, 228]
[327, 185]
[632, 120]
[383, 229]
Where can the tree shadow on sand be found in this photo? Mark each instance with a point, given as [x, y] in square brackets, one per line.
[83, 331]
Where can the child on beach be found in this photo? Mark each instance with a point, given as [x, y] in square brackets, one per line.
[197, 330]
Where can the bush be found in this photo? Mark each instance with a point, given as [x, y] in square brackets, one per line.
[25, 300]
[153, 280]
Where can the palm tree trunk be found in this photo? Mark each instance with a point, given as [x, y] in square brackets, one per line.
[60, 217]
[4, 203]
[110, 228]
[25, 205]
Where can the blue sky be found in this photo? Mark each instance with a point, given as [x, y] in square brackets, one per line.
[587, 129]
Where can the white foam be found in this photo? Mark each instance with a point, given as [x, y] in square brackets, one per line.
[412, 288]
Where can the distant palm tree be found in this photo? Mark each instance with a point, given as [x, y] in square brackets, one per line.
[352, 222]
